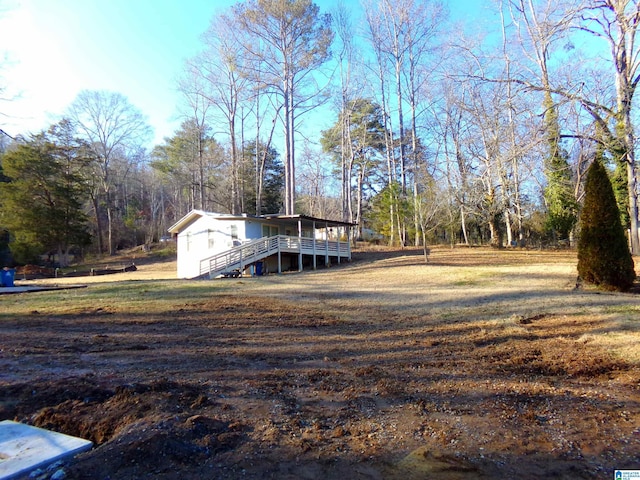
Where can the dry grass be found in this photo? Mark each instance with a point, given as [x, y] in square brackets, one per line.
[479, 364]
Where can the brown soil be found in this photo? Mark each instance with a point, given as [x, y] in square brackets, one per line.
[481, 364]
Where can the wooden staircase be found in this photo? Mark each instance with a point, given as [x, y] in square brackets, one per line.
[237, 258]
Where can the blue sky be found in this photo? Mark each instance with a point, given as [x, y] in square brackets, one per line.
[52, 49]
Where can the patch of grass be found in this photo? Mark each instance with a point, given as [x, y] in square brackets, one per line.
[473, 277]
[633, 310]
[465, 282]
[623, 345]
[620, 334]
[133, 296]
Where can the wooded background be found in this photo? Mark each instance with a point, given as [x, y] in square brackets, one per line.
[435, 136]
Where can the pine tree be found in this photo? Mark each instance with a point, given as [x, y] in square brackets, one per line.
[42, 203]
[604, 258]
[266, 177]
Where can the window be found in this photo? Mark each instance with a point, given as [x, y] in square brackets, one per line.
[211, 239]
[234, 232]
[269, 231]
[188, 241]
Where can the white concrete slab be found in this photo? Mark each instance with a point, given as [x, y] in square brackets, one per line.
[24, 448]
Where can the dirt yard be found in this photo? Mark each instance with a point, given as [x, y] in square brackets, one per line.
[479, 365]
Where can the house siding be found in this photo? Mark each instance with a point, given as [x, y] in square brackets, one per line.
[203, 238]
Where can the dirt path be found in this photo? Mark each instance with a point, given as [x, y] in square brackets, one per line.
[481, 364]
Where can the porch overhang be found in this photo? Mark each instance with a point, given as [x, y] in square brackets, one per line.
[308, 221]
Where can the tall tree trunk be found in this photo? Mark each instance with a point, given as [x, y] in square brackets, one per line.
[292, 166]
[414, 151]
[403, 166]
[391, 164]
[625, 94]
[361, 177]
[258, 167]
[110, 225]
[287, 147]
[201, 193]
[96, 213]
[235, 197]
[463, 226]
[289, 133]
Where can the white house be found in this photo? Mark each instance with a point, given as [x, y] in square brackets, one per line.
[211, 244]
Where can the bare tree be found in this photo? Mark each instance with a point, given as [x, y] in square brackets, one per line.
[376, 38]
[345, 58]
[225, 88]
[388, 22]
[315, 185]
[450, 124]
[617, 21]
[195, 92]
[402, 34]
[430, 203]
[426, 19]
[490, 120]
[112, 127]
[284, 43]
[539, 26]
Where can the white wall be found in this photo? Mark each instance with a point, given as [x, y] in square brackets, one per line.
[204, 238]
[198, 241]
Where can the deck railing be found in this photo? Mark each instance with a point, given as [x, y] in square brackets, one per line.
[237, 258]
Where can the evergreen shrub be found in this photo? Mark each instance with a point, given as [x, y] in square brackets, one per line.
[604, 258]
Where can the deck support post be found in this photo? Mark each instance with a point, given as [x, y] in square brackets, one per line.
[315, 263]
[279, 257]
[300, 245]
[326, 244]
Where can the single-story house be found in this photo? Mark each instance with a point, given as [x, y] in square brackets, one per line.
[213, 244]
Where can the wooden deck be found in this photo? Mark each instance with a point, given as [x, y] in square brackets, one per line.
[237, 258]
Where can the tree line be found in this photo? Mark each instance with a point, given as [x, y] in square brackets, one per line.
[390, 115]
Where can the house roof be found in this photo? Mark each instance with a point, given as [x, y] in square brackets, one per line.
[306, 220]
[187, 220]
